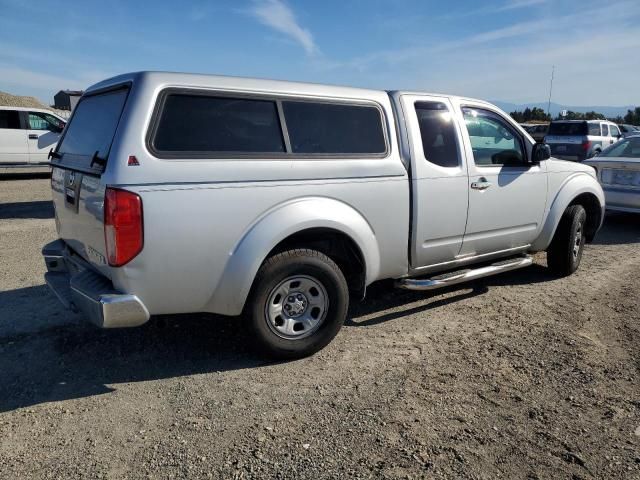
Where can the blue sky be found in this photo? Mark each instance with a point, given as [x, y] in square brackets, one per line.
[494, 49]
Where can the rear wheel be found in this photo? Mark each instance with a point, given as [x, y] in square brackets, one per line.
[565, 252]
[298, 303]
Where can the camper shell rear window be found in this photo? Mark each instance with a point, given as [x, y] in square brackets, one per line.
[86, 142]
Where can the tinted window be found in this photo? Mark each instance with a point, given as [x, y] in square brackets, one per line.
[629, 147]
[438, 134]
[202, 123]
[325, 128]
[493, 140]
[92, 128]
[605, 130]
[570, 128]
[9, 119]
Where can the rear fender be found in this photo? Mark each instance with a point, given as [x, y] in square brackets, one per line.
[574, 186]
[276, 225]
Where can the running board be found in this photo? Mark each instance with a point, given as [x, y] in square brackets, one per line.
[454, 278]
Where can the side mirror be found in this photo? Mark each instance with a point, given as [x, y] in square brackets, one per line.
[540, 152]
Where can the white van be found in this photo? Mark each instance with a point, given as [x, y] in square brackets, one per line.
[27, 135]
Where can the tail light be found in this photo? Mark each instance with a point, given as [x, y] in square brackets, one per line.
[586, 145]
[123, 227]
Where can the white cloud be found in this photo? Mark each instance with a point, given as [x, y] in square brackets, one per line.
[515, 4]
[513, 62]
[277, 15]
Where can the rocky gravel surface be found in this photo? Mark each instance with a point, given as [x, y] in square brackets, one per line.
[518, 376]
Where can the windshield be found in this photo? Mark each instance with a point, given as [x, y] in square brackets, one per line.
[87, 140]
[629, 147]
[568, 128]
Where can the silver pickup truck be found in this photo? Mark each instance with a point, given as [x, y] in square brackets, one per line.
[179, 193]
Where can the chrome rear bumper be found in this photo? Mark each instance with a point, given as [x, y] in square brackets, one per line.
[82, 290]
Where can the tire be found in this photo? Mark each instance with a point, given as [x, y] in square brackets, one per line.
[298, 303]
[565, 252]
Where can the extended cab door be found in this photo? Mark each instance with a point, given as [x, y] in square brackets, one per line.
[13, 139]
[507, 194]
[43, 132]
[439, 182]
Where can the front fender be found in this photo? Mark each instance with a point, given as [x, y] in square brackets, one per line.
[276, 225]
[575, 185]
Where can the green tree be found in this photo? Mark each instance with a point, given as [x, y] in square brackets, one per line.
[534, 114]
[633, 116]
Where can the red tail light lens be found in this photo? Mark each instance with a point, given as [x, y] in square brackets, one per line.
[586, 145]
[123, 227]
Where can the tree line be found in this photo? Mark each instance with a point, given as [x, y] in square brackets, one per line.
[536, 114]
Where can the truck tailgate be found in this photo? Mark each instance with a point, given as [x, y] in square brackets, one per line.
[78, 165]
[78, 199]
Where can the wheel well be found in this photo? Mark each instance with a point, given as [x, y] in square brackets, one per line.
[594, 211]
[336, 245]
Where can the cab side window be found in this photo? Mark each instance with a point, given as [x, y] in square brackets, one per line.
[614, 131]
[493, 140]
[10, 119]
[438, 132]
[605, 129]
[42, 121]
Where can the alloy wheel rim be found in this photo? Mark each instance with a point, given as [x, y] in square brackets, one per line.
[296, 307]
[577, 244]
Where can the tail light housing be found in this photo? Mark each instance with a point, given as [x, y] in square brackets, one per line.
[123, 226]
[586, 145]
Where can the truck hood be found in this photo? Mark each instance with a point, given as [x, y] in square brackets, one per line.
[555, 165]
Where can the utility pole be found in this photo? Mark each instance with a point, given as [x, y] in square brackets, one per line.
[553, 70]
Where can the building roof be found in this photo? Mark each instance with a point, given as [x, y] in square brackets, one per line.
[72, 93]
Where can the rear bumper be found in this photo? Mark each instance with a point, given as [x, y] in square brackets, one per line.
[82, 290]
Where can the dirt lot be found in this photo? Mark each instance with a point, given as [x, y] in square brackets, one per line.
[517, 376]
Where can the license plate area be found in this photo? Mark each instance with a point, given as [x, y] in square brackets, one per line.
[625, 178]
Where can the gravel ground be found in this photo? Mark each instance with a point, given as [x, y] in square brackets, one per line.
[517, 376]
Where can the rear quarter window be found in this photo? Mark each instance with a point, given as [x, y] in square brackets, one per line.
[204, 124]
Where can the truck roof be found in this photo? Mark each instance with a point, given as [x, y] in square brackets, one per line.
[258, 84]
[30, 109]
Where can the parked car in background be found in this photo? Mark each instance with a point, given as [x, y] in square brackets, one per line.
[27, 135]
[618, 170]
[179, 193]
[628, 130]
[538, 131]
[578, 140]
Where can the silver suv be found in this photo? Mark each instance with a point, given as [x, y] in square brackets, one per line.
[280, 201]
[578, 140]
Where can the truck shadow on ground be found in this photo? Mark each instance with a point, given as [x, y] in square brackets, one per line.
[63, 358]
[42, 209]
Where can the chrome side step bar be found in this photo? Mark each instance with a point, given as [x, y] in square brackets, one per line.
[454, 278]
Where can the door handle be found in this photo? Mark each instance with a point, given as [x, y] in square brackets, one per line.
[481, 185]
[33, 136]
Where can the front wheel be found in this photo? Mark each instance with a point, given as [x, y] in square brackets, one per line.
[565, 252]
[298, 303]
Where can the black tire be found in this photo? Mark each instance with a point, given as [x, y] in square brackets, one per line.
[274, 273]
[565, 252]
